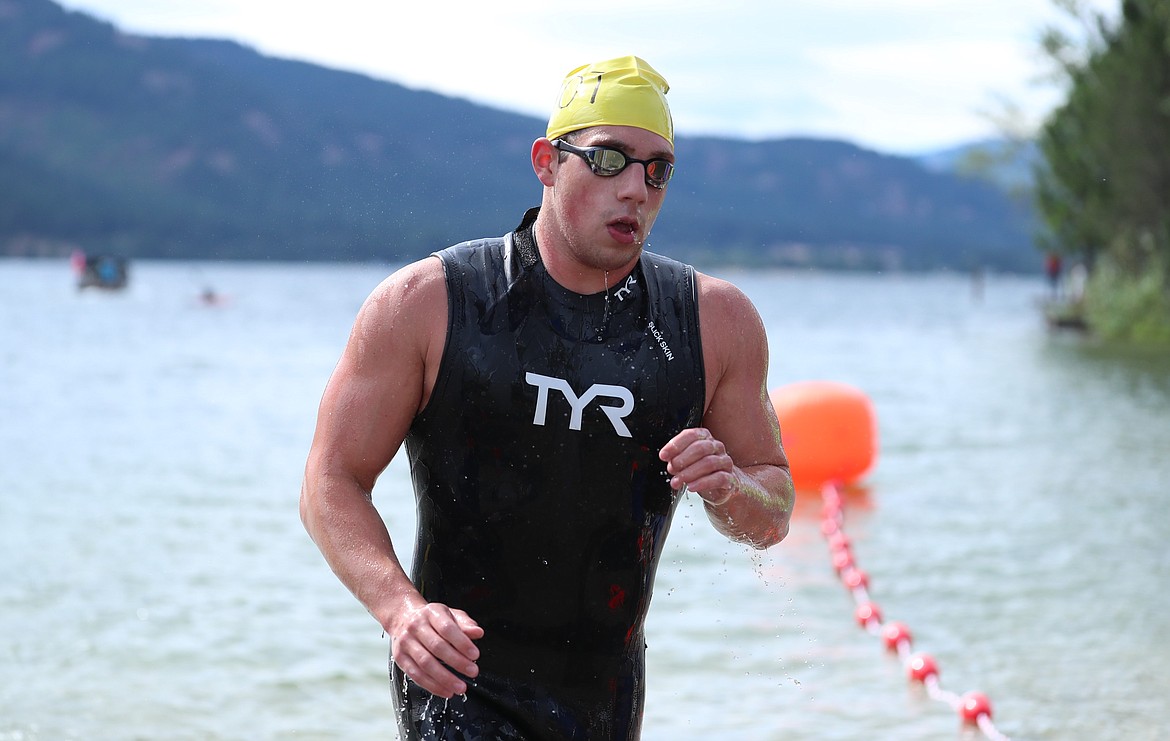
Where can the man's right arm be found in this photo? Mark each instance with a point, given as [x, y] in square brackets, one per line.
[382, 381]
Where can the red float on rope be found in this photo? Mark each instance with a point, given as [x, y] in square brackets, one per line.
[922, 666]
[855, 578]
[973, 705]
[830, 435]
[895, 634]
[868, 615]
[842, 560]
[839, 541]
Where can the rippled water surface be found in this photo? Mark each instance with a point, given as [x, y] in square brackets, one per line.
[157, 584]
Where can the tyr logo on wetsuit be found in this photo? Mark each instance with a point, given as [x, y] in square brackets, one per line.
[578, 403]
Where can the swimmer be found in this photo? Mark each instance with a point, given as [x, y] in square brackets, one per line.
[556, 389]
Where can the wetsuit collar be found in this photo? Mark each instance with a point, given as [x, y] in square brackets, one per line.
[525, 241]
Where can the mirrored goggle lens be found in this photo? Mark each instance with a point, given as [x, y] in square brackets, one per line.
[610, 162]
[658, 172]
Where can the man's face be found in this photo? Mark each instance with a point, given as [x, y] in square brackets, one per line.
[602, 222]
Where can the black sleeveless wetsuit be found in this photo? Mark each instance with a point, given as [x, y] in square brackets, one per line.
[542, 504]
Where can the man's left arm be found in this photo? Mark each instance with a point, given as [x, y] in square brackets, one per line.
[735, 461]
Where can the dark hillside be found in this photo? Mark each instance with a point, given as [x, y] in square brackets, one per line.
[188, 148]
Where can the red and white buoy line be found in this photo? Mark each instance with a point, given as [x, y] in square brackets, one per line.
[973, 707]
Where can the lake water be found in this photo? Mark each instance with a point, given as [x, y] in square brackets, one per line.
[155, 581]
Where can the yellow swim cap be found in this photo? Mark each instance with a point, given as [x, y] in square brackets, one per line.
[617, 92]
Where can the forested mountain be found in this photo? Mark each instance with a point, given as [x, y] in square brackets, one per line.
[160, 147]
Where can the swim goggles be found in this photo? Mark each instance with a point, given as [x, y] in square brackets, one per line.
[607, 162]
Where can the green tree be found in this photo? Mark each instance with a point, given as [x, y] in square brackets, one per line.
[1103, 186]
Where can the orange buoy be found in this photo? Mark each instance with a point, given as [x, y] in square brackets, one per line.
[828, 430]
